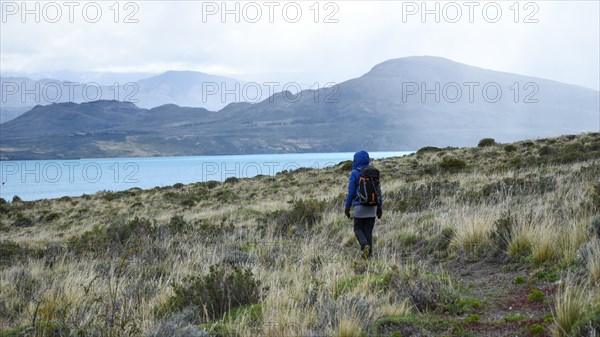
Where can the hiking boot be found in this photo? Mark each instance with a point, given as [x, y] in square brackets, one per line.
[366, 252]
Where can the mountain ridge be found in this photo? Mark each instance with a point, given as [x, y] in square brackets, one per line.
[325, 119]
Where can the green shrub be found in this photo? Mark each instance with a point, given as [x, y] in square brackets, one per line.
[10, 252]
[440, 243]
[536, 296]
[187, 200]
[472, 318]
[16, 199]
[211, 184]
[177, 224]
[520, 280]
[527, 144]
[452, 164]
[545, 150]
[485, 142]
[517, 186]
[114, 238]
[537, 330]
[345, 166]
[231, 180]
[137, 228]
[420, 197]
[22, 221]
[426, 292]
[514, 317]
[4, 207]
[510, 148]
[428, 149]
[109, 196]
[515, 162]
[589, 324]
[226, 196]
[214, 294]
[303, 215]
[65, 199]
[51, 217]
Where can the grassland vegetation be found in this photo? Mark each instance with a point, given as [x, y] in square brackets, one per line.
[492, 240]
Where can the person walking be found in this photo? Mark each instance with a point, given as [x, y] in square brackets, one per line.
[364, 194]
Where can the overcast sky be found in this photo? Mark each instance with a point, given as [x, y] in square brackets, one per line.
[558, 40]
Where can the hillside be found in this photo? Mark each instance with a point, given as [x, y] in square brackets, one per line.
[184, 88]
[324, 120]
[497, 240]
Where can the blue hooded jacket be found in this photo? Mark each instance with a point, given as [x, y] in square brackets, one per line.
[361, 160]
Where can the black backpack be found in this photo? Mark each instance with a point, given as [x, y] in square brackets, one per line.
[368, 183]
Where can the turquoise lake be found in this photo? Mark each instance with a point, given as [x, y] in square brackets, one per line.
[44, 179]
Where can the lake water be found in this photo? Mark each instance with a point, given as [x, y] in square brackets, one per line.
[43, 179]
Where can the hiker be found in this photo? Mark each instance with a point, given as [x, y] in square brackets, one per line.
[364, 193]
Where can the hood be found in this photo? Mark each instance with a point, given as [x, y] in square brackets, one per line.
[361, 160]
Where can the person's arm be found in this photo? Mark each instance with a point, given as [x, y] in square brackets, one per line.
[351, 190]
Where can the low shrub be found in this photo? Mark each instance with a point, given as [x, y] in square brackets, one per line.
[472, 318]
[537, 330]
[452, 164]
[510, 148]
[428, 149]
[10, 252]
[440, 243]
[303, 215]
[527, 144]
[426, 292]
[214, 294]
[22, 221]
[514, 317]
[177, 224]
[545, 150]
[345, 166]
[114, 238]
[232, 180]
[589, 324]
[485, 142]
[211, 184]
[536, 296]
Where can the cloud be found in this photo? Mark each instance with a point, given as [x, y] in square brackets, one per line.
[563, 45]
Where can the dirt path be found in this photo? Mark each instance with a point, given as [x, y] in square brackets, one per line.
[515, 301]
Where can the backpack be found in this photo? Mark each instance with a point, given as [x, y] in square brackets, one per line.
[368, 183]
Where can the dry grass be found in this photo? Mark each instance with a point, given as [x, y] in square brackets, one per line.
[572, 302]
[119, 292]
[348, 328]
[472, 234]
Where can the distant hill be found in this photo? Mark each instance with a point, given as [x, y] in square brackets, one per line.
[382, 110]
[184, 88]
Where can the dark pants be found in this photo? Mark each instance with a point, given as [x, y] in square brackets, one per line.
[363, 229]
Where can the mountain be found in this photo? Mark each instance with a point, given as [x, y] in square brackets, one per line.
[394, 106]
[188, 88]
[184, 88]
